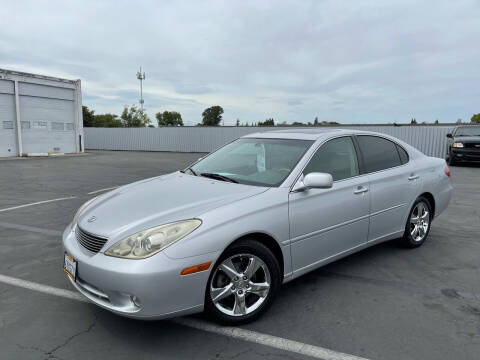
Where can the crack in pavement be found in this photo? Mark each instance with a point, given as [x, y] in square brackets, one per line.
[69, 339]
[49, 354]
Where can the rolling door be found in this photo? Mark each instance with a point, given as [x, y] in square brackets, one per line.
[8, 138]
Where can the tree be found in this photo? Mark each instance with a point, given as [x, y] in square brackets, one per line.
[296, 123]
[436, 122]
[475, 119]
[169, 118]
[134, 117]
[212, 116]
[107, 120]
[315, 122]
[413, 121]
[267, 122]
[238, 123]
[88, 117]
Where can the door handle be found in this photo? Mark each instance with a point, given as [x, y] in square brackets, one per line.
[360, 190]
[413, 177]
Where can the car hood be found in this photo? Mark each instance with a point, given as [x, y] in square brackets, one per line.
[157, 201]
[467, 139]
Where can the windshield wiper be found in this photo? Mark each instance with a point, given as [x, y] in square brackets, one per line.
[219, 177]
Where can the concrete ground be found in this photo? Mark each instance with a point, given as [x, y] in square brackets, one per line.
[383, 303]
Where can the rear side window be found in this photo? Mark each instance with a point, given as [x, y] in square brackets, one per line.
[403, 154]
[378, 153]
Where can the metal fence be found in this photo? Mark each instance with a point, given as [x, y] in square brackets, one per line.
[431, 140]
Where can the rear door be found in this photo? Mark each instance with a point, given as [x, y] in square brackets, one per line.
[393, 184]
[327, 222]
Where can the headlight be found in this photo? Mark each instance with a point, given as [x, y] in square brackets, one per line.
[149, 242]
[457, 145]
[80, 209]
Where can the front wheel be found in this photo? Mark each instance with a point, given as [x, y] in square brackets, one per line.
[451, 160]
[418, 223]
[243, 283]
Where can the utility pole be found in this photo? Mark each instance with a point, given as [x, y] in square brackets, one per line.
[141, 77]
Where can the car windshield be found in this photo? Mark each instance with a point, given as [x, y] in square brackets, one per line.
[253, 161]
[468, 131]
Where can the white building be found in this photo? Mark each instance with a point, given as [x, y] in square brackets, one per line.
[39, 114]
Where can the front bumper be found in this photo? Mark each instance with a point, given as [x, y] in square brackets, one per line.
[159, 289]
[465, 154]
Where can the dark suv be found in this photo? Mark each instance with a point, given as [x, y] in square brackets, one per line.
[463, 144]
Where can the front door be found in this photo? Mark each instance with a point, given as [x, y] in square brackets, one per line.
[327, 222]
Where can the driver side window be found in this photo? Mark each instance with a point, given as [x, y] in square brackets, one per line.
[336, 157]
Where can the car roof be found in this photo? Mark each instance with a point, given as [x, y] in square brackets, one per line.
[302, 133]
[316, 134]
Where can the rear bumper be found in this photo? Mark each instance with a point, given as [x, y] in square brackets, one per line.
[465, 154]
[159, 289]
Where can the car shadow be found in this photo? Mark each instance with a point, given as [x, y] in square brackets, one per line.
[145, 331]
[342, 268]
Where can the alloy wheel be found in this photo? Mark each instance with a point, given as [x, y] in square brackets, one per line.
[240, 284]
[419, 222]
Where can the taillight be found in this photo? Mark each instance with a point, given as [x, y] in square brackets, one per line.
[447, 171]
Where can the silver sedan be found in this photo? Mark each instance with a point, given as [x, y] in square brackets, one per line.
[225, 233]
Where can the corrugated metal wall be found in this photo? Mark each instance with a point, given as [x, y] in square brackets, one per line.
[431, 140]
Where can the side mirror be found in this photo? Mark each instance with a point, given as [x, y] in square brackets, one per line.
[449, 135]
[314, 181]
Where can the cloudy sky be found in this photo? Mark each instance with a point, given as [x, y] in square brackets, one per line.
[345, 61]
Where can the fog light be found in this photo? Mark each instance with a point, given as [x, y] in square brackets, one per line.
[135, 301]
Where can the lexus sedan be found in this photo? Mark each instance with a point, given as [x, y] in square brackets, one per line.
[226, 232]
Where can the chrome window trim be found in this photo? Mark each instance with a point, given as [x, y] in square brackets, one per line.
[352, 135]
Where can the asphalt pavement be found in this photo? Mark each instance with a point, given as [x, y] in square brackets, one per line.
[385, 302]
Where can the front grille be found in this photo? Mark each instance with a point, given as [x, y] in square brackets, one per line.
[472, 145]
[90, 242]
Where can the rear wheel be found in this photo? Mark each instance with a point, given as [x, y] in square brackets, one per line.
[418, 223]
[243, 284]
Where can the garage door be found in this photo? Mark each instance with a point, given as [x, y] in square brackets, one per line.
[7, 119]
[47, 115]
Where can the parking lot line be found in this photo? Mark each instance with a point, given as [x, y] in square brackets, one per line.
[100, 190]
[36, 203]
[30, 228]
[42, 288]
[231, 332]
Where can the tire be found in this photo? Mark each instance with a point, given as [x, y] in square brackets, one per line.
[241, 296]
[418, 227]
[451, 161]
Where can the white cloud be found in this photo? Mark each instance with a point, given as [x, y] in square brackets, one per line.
[363, 61]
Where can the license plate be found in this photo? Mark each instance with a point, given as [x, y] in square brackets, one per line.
[70, 266]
